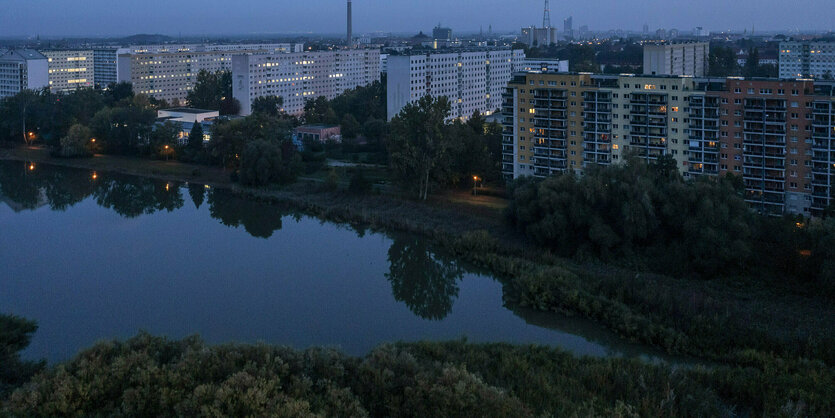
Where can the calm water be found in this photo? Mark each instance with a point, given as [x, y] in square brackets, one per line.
[100, 258]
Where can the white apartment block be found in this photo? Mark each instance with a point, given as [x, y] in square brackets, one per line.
[297, 77]
[689, 58]
[545, 65]
[471, 80]
[22, 69]
[169, 72]
[160, 48]
[807, 59]
[70, 70]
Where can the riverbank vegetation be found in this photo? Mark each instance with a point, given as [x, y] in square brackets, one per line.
[153, 376]
[647, 215]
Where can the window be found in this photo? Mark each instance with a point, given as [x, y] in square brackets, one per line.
[737, 101]
[750, 91]
[737, 90]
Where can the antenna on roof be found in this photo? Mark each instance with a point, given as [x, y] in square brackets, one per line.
[546, 17]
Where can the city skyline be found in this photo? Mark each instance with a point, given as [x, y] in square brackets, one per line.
[100, 18]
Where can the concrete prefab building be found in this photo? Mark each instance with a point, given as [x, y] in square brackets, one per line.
[70, 70]
[690, 58]
[807, 59]
[22, 69]
[300, 76]
[471, 80]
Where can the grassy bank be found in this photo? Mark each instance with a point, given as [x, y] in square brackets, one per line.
[151, 376]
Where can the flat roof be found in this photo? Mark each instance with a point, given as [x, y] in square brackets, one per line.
[188, 110]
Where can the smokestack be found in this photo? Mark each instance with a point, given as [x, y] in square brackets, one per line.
[350, 35]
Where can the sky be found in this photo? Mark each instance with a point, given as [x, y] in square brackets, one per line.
[216, 17]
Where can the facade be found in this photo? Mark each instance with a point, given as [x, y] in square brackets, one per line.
[104, 66]
[534, 36]
[299, 76]
[471, 80]
[70, 70]
[22, 69]
[807, 59]
[775, 134]
[185, 118]
[317, 133]
[689, 58]
[163, 48]
[544, 65]
[441, 34]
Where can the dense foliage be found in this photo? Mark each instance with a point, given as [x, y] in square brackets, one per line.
[213, 91]
[152, 376]
[426, 152]
[15, 335]
[649, 214]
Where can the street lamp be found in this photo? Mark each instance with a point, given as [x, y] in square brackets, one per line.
[166, 154]
[475, 185]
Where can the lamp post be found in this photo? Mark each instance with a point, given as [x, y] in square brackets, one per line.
[166, 153]
[475, 185]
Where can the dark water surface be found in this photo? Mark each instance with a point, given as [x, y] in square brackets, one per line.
[94, 257]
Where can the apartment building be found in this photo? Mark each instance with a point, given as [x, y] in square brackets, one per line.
[70, 70]
[775, 134]
[471, 79]
[807, 59]
[686, 58]
[281, 47]
[297, 77]
[105, 67]
[22, 69]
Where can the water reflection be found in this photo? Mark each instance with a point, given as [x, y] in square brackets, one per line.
[305, 269]
[426, 281]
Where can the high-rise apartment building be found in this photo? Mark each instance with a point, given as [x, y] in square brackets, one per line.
[441, 34]
[169, 72]
[471, 79]
[687, 58]
[807, 59]
[104, 66]
[22, 69]
[534, 36]
[775, 134]
[70, 70]
[299, 76]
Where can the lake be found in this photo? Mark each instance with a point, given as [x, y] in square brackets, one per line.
[95, 256]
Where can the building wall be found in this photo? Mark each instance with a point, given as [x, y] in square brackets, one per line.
[70, 70]
[807, 59]
[471, 80]
[22, 69]
[677, 59]
[104, 67]
[297, 77]
[776, 134]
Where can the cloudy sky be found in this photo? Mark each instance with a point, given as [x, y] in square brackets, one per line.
[195, 17]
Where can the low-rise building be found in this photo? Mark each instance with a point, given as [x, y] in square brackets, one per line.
[185, 118]
[317, 133]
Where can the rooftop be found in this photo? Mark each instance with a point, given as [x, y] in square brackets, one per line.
[21, 55]
[188, 110]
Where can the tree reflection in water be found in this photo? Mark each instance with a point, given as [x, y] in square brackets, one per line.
[426, 281]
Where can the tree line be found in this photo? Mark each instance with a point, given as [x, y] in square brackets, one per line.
[647, 214]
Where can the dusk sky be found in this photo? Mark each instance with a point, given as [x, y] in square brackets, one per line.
[125, 17]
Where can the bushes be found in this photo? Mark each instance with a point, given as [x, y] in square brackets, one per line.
[76, 143]
[152, 376]
[15, 335]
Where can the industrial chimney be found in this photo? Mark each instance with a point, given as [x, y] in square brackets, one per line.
[350, 35]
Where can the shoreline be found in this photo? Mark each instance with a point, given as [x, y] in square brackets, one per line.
[536, 278]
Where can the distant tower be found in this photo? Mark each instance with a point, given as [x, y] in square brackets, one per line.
[350, 39]
[546, 17]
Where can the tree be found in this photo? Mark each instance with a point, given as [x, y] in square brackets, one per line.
[722, 62]
[262, 163]
[419, 145]
[164, 134]
[77, 142]
[195, 139]
[213, 90]
[319, 110]
[752, 63]
[350, 127]
[15, 335]
[117, 92]
[197, 193]
[267, 105]
[426, 282]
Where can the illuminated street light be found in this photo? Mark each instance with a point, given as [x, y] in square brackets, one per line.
[31, 167]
